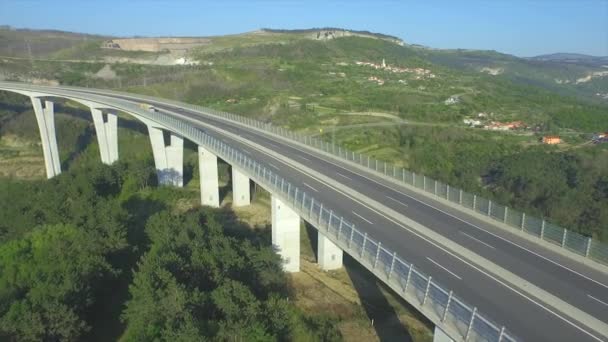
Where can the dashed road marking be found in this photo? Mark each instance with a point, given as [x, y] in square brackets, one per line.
[445, 269]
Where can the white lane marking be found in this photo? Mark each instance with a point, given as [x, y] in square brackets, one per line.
[363, 218]
[476, 239]
[508, 241]
[599, 300]
[310, 187]
[273, 145]
[339, 174]
[459, 219]
[398, 201]
[444, 268]
[466, 262]
[419, 235]
[272, 165]
[303, 158]
[244, 150]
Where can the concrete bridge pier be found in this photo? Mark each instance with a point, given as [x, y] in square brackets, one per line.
[45, 116]
[286, 234]
[107, 135]
[207, 166]
[169, 159]
[329, 255]
[241, 195]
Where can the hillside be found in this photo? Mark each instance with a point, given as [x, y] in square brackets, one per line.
[421, 108]
[569, 74]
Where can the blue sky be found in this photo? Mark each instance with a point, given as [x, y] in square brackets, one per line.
[519, 27]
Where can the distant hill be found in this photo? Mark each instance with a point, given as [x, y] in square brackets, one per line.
[574, 58]
[40, 43]
[335, 32]
[565, 73]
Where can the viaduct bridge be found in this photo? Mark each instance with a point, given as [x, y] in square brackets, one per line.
[478, 270]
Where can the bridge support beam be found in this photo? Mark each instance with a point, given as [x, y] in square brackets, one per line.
[207, 166]
[169, 159]
[329, 256]
[107, 135]
[440, 336]
[45, 116]
[241, 195]
[286, 234]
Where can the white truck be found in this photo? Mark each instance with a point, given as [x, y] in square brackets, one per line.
[148, 107]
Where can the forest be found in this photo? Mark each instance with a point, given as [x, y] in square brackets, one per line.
[98, 253]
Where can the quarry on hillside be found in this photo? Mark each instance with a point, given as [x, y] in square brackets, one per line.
[155, 44]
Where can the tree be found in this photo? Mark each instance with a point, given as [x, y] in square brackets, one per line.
[47, 281]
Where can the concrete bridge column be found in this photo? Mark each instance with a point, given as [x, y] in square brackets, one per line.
[329, 255]
[207, 166]
[286, 234]
[440, 336]
[240, 189]
[169, 159]
[45, 116]
[107, 135]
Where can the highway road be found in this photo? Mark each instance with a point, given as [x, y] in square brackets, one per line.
[531, 320]
[576, 284]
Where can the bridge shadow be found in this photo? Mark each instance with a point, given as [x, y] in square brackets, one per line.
[83, 141]
[106, 311]
[258, 235]
[224, 189]
[385, 318]
[312, 234]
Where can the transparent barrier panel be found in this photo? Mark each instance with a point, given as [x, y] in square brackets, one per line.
[533, 225]
[345, 233]
[418, 283]
[400, 272]
[497, 212]
[371, 248]
[514, 218]
[599, 252]
[576, 243]
[454, 195]
[468, 200]
[460, 314]
[438, 298]
[419, 181]
[553, 233]
[385, 260]
[482, 205]
[357, 242]
[484, 329]
[442, 190]
[429, 185]
[408, 177]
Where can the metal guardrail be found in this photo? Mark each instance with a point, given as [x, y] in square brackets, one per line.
[420, 290]
[537, 227]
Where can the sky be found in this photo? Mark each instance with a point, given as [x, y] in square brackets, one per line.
[519, 27]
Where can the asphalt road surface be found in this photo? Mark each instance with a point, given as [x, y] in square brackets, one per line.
[528, 318]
